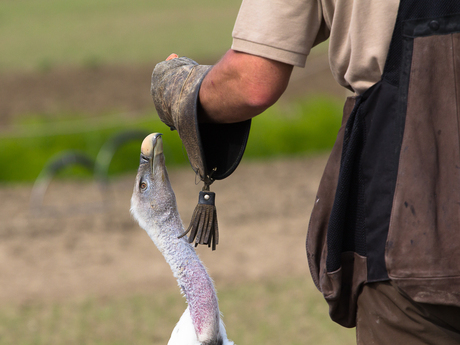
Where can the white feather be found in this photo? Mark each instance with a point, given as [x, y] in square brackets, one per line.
[184, 332]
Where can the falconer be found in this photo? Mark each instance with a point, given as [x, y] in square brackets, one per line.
[383, 244]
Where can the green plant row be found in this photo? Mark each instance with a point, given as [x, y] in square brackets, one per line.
[24, 156]
[301, 127]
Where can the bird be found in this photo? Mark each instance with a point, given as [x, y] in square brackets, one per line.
[154, 207]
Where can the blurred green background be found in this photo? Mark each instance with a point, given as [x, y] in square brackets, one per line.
[55, 55]
[45, 38]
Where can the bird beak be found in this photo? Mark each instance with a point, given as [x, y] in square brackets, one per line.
[151, 147]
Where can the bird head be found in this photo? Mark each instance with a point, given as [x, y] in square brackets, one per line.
[153, 199]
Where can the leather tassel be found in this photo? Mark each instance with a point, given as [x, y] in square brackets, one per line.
[203, 227]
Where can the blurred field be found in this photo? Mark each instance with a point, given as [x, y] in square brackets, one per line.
[269, 312]
[88, 90]
[50, 33]
[80, 271]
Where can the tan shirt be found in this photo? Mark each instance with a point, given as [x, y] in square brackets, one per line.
[359, 33]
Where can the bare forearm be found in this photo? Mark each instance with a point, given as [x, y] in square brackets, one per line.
[241, 86]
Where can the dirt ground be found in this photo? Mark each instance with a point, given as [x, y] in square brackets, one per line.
[83, 242]
[79, 246]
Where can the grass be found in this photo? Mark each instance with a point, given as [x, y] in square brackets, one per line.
[304, 127]
[283, 311]
[48, 33]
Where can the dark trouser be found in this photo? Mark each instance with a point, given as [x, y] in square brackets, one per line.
[388, 316]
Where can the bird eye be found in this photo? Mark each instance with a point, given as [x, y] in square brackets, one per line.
[143, 185]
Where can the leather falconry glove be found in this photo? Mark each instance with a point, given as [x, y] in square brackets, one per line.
[214, 150]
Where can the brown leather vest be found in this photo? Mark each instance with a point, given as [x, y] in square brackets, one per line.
[388, 205]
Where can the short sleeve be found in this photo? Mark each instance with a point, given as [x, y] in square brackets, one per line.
[281, 30]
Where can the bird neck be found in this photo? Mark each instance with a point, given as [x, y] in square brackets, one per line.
[191, 275]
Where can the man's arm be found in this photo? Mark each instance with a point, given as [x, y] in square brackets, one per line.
[241, 86]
